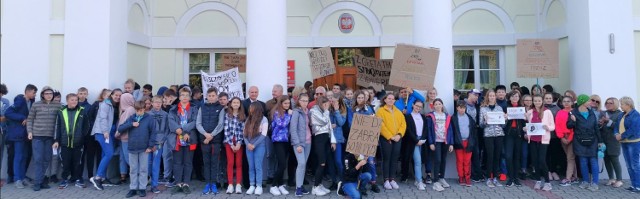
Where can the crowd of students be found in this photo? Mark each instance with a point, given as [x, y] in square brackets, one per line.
[182, 133]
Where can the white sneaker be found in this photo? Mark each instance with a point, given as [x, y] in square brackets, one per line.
[251, 190]
[387, 185]
[538, 185]
[258, 190]
[230, 189]
[283, 190]
[438, 187]
[444, 183]
[547, 187]
[318, 191]
[238, 189]
[324, 189]
[420, 185]
[275, 191]
[394, 184]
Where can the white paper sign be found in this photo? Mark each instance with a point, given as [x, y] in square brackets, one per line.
[495, 118]
[535, 129]
[515, 113]
[227, 81]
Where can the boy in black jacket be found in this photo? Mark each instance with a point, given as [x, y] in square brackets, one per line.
[71, 128]
[354, 179]
[464, 139]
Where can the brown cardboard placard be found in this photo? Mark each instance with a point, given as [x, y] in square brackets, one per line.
[414, 67]
[537, 58]
[321, 62]
[230, 61]
[364, 136]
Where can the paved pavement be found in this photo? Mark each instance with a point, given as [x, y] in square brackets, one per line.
[407, 190]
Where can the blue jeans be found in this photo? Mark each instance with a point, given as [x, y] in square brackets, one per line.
[417, 162]
[19, 160]
[351, 188]
[154, 165]
[631, 153]
[339, 164]
[107, 154]
[255, 159]
[584, 169]
[124, 157]
[525, 155]
[42, 152]
[371, 168]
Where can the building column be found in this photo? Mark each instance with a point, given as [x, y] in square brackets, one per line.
[25, 44]
[95, 46]
[594, 69]
[432, 27]
[266, 45]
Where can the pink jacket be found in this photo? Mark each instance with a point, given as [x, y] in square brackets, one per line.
[547, 119]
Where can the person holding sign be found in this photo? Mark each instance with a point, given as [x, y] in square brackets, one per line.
[406, 98]
[440, 139]
[587, 140]
[323, 141]
[393, 129]
[300, 140]
[513, 143]
[360, 106]
[493, 135]
[416, 137]
[538, 144]
[465, 139]
[354, 179]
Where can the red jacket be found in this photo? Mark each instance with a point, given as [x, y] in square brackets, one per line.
[561, 125]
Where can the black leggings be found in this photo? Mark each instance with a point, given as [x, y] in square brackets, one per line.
[493, 145]
[321, 146]
[390, 155]
[92, 154]
[557, 159]
[439, 160]
[281, 150]
[513, 151]
[538, 152]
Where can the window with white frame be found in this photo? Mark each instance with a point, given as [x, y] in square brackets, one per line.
[208, 61]
[477, 68]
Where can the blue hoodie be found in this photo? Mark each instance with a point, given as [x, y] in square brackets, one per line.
[15, 114]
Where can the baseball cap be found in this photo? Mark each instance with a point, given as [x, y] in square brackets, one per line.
[475, 91]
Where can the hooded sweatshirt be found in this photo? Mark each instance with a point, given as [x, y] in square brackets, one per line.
[126, 110]
[42, 117]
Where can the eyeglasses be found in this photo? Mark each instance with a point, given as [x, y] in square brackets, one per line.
[596, 101]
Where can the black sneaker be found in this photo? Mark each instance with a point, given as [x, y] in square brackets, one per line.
[176, 189]
[517, 183]
[97, 183]
[36, 187]
[108, 183]
[509, 183]
[363, 191]
[131, 193]
[45, 186]
[375, 188]
[186, 189]
[340, 191]
[428, 180]
[142, 193]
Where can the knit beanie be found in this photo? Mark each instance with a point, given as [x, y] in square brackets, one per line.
[582, 99]
[161, 90]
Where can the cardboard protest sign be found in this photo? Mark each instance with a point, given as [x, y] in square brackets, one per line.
[230, 61]
[321, 62]
[227, 81]
[495, 118]
[515, 113]
[537, 58]
[414, 67]
[364, 136]
[535, 129]
[370, 70]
